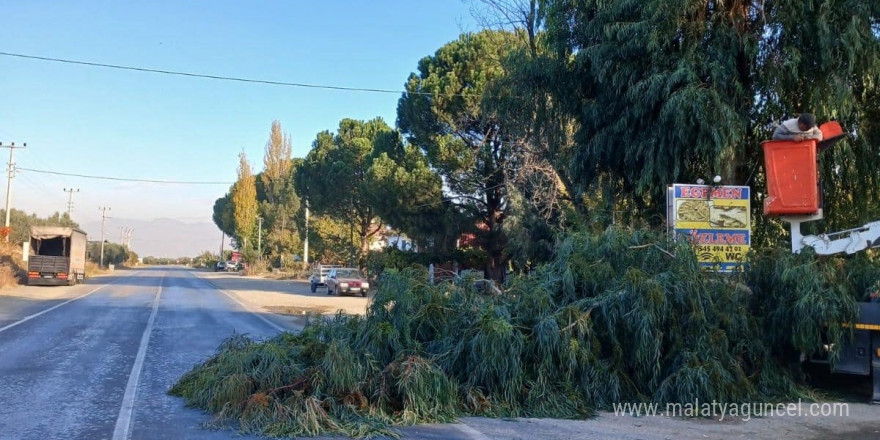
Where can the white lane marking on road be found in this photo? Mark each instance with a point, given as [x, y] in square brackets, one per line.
[123, 422]
[28, 318]
[243, 305]
[470, 432]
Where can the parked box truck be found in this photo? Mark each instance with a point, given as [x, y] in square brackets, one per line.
[57, 256]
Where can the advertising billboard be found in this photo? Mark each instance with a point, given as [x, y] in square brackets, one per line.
[716, 220]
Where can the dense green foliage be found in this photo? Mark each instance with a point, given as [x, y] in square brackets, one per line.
[442, 114]
[666, 92]
[269, 195]
[20, 222]
[799, 291]
[114, 253]
[590, 109]
[615, 316]
[206, 260]
[278, 201]
[244, 204]
[333, 177]
[222, 215]
[418, 209]
[378, 262]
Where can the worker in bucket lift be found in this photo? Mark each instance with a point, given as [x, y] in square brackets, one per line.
[799, 129]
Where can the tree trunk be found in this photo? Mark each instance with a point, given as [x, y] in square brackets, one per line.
[495, 266]
[494, 239]
[365, 245]
[366, 233]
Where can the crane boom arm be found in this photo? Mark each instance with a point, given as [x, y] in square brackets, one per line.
[848, 241]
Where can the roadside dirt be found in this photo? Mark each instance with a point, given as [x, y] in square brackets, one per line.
[298, 311]
[286, 297]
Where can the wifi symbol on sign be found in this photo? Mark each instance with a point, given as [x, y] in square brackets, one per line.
[707, 256]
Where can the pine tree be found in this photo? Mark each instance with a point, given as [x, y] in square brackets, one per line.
[443, 115]
[334, 176]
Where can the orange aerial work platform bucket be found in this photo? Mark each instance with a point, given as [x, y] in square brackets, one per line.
[793, 175]
[792, 178]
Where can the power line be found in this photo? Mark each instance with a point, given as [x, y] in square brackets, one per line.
[122, 179]
[37, 186]
[228, 78]
[36, 182]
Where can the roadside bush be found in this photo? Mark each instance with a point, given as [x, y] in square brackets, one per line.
[93, 269]
[258, 267]
[9, 277]
[616, 316]
[472, 258]
[377, 262]
[13, 270]
[393, 258]
[803, 298]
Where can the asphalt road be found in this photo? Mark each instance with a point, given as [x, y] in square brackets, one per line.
[98, 367]
[95, 361]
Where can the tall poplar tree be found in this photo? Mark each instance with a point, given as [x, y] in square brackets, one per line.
[277, 198]
[244, 204]
[277, 164]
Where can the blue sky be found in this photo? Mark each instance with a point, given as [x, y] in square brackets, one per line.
[88, 120]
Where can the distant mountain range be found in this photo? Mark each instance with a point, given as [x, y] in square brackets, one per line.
[162, 237]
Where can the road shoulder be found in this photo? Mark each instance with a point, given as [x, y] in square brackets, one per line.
[285, 300]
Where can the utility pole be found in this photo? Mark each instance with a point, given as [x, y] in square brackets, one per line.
[222, 239]
[306, 241]
[260, 238]
[104, 217]
[70, 192]
[125, 236]
[11, 174]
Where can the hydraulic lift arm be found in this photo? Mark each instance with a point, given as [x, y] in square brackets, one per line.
[862, 357]
[792, 172]
[848, 241]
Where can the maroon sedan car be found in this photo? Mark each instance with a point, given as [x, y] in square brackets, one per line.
[346, 280]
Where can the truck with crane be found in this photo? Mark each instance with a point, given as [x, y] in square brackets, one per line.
[794, 195]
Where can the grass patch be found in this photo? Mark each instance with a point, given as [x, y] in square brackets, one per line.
[259, 267]
[93, 269]
[622, 316]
